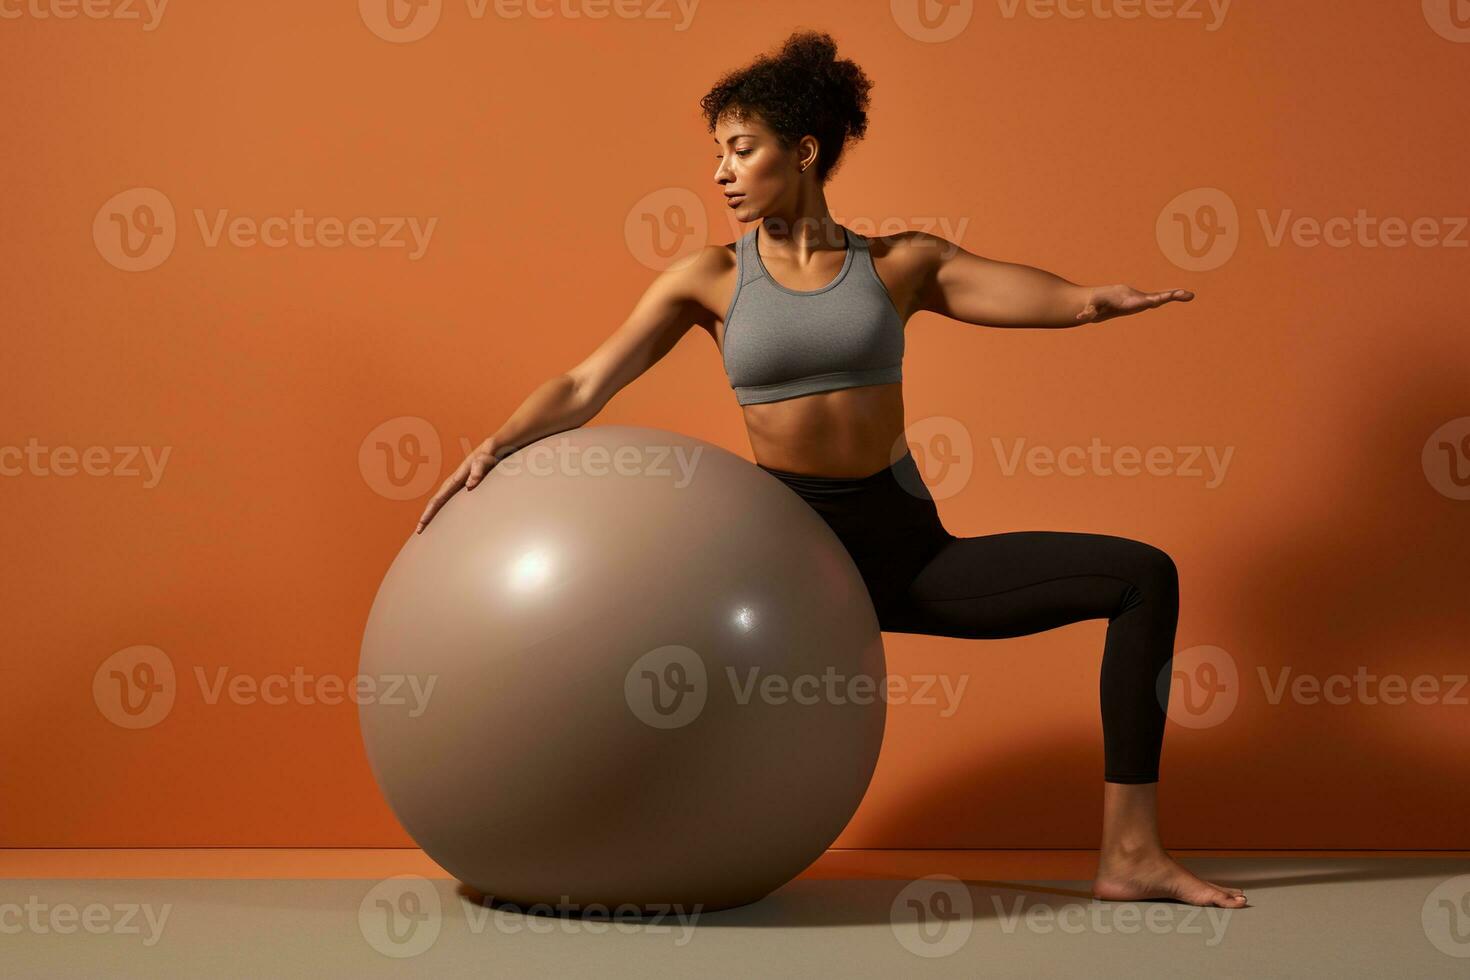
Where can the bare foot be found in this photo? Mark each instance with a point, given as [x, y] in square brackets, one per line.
[1156, 875]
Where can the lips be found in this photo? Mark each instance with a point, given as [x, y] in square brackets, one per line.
[734, 198]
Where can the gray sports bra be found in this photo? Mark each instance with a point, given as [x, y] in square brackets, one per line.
[782, 343]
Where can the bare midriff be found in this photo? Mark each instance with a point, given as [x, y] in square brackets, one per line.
[850, 432]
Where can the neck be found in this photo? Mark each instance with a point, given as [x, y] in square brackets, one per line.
[804, 230]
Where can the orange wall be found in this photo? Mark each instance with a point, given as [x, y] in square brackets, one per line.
[559, 158]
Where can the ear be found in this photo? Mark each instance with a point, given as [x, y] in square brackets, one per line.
[806, 152]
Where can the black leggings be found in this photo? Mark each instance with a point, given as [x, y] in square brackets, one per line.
[923, 579]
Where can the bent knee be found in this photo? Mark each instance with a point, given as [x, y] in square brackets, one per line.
[1150, 567]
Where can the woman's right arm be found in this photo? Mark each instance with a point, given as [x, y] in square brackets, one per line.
[675, 301]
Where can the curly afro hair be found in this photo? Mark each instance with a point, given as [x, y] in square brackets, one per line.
[801, 90]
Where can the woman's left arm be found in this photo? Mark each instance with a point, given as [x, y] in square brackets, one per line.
[973, 289]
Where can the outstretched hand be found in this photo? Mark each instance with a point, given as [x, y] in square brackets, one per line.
[1107, 302]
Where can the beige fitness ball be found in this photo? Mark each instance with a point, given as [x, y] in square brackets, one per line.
[656, 678]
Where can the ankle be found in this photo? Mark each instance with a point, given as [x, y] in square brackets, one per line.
[1132, 849]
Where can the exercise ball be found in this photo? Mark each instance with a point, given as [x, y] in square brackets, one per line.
[657, 678]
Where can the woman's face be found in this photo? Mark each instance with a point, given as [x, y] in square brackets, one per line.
[752, 164]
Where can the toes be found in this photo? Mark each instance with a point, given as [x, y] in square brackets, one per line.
[1225, 898]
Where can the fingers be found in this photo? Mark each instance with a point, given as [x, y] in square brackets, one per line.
[1150, 301]
[1131, 301]
[469, 475]
[446, 490]
[432, 509]
[479, 466]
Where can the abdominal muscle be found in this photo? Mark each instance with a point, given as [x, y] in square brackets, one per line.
[851, 432]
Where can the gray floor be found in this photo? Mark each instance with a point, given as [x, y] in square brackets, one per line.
[1337, 918]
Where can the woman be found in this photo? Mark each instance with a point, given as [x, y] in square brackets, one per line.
[809, 320]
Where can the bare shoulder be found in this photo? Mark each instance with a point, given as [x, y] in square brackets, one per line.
[910, 250]
[704, 279]
[905, 261]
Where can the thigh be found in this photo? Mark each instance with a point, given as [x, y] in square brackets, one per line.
[1020, 582]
